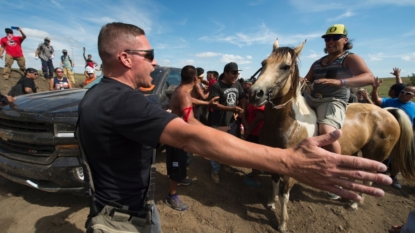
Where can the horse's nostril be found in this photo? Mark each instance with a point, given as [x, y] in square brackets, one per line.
[259, 94]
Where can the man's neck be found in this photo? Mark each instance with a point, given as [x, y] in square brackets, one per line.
[227, 82]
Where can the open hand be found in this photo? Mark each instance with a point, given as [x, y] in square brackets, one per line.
[377, 82]
[314, 166]
[396, 72]
[238, 110]
[214, 101]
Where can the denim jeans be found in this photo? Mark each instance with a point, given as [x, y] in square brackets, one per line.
[47, 66]
[216, 165]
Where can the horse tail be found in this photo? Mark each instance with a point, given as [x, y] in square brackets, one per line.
[403, 159]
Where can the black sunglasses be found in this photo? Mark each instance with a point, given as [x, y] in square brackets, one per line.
[234, 72]
[407, 93]
[334, 37]
[149, 53]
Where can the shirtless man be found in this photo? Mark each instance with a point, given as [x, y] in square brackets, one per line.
[176, 160]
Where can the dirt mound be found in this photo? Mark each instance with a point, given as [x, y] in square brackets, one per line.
[41, 83]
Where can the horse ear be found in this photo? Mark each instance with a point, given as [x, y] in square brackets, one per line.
[298, 49]
[275, 45]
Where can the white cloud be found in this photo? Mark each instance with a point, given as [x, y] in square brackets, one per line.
[56, 3]
[164, 62]
[409, 57]
[345, 15]
[263, 36]
[326, 5]
[35, 33]
[226, 58]
[313, 55]
[376, 57]
[208, 54]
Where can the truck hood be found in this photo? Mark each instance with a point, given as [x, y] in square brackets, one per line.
[60, 103]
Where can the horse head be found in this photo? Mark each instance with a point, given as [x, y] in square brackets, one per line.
[279, 75]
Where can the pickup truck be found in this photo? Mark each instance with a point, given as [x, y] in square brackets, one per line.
[37, 143]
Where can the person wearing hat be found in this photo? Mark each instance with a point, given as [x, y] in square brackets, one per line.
[231, 102]
[88, 61]
[13, 46]
[333, 75]
[67, 65]
[28, 81]
[46, 53]
[89, 75]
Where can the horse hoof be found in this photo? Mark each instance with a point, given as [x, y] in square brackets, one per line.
[354, 206]
[271, 206]
[282, 230]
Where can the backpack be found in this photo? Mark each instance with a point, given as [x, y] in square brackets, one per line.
[17, 89]
[68, 58]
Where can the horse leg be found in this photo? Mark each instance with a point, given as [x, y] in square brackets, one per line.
[288, 183]
[275, 191]
[355, 205]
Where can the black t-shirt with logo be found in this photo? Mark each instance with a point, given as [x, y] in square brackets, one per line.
[116, 124]
[30, 83]
[228, 96]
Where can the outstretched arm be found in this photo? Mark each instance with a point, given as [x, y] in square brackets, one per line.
[397, 73]
[307, 162]
[84, 55]
[375, 94]
[23, 35]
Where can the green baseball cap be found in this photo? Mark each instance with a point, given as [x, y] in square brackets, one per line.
[336, 29]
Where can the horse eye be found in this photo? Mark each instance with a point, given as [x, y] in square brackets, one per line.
[285, 68]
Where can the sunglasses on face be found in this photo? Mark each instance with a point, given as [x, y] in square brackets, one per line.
[407, 93]
[335, 38]
[234, 72]
[149, 53]
[59, 71]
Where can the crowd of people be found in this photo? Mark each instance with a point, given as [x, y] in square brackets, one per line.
[120, 119]
[64, 76]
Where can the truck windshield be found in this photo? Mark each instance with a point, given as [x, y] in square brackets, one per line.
[157, 75]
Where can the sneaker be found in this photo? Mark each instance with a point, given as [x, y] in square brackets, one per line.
[395, 183]
[184, 182]
[175, 203]
[251, 182]
[215, 177]
[333, 196]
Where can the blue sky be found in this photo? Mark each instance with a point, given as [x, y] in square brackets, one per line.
[209, 34]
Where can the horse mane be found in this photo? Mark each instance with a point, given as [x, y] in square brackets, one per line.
[295, 74]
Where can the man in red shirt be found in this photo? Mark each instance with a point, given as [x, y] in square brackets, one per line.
[13, 46]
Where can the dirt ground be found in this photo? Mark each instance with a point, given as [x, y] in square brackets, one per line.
[226, 207]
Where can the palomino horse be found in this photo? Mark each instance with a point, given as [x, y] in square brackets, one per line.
[374, 131]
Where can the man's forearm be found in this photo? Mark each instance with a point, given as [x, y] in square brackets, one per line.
[23, 35]
[221, 107]
[375, 97]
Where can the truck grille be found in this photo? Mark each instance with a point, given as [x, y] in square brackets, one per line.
[26, 126]
[28, 149]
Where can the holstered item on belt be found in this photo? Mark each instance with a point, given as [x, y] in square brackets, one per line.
[118, 220]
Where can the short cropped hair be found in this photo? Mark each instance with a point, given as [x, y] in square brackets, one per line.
[116, 37]
[188, 74]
